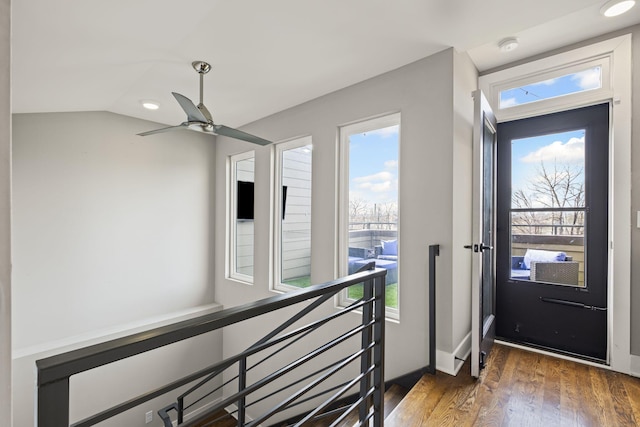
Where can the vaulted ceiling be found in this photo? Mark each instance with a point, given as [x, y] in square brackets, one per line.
[266, 55]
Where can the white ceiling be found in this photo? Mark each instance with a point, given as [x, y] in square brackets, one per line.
[87, 55]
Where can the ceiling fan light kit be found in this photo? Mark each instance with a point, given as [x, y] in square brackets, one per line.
[200, 116]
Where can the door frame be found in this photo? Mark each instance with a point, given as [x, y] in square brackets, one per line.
[615, 52]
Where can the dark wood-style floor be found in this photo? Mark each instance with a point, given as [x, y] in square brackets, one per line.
[521, 388]
[517, 388]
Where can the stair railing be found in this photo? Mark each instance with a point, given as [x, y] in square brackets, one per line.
[286, 388]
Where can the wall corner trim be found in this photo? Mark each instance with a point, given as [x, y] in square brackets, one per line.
[635, 366]
[451, 363]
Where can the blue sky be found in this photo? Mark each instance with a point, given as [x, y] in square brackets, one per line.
[528, 153]
[571, 83]
[566, 148]
[373, 165]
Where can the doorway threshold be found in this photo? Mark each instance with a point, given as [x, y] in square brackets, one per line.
[563, 356]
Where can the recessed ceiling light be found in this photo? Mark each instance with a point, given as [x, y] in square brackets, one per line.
[508, 44]
[616, 7]
[150, 105]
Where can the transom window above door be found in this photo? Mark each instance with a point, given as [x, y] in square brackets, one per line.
[579, 81]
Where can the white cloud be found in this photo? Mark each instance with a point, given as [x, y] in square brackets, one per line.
[588, 79]
[380, 187]
[376, 187]
[380, 176]
[571, 151]
[509, 102]
[385, 132]
[391, 164]
[548, 82]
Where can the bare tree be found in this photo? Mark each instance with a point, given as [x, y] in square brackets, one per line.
[388, 213]
[560, 185]
[358, 209]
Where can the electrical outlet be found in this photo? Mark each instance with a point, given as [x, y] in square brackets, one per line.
[148, 417]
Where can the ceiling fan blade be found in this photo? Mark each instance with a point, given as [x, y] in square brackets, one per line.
[238, 134]
[193, 114]
[151, 132]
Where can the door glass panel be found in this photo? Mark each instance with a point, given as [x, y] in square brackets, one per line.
[487, 222]
[548, 208]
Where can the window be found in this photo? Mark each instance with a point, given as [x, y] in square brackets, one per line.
[240, 224]
[369, 202]
[579, 81]
[556, 84]
[292, 214]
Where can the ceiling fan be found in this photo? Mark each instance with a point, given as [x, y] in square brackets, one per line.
[200, 115]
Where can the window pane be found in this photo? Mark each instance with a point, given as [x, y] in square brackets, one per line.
[373, 205]
[565, 85]
[243, 233]
[241, 218]
[296, 217]
[548, 208]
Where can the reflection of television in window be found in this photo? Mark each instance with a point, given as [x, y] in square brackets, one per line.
[244, 195]
[284, 200]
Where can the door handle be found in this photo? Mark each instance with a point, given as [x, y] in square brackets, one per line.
[478, 248]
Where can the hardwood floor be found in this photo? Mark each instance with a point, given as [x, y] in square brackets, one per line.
[521, 388]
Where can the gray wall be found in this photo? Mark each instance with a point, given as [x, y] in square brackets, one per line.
[5, 213]
[423, 92]
[110, 231]
[635, 196]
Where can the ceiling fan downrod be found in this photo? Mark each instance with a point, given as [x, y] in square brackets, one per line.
[202, 68]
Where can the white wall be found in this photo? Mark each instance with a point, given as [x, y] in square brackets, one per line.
[465, 82]
[110, 231]
[423, 93]
[5, 213]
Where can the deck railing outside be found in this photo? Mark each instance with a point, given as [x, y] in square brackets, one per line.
[302, 370]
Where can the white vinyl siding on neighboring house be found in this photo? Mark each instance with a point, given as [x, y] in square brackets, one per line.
[292, 192]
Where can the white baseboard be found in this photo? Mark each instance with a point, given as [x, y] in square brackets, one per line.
[199, 410]
[635, 366]
[451, 363]
[234, 408]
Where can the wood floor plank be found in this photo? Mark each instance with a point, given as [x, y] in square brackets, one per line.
[632, 388]
[419, 402]
[522, 388]
[620, 413]
[551, 401]
[494, 399]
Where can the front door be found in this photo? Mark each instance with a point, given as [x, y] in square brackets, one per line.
[552, 231]
[483, 263]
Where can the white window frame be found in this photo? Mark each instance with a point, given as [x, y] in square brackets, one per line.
[548, 68]
[615, 55]
[231, 252]
[276, 284]
[342, 262]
